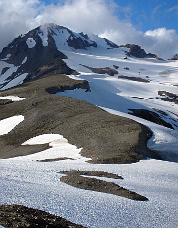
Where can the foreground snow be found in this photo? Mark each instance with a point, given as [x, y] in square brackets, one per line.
[38, 185]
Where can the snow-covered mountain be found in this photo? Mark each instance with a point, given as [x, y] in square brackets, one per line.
[47, 136]
[22, 59]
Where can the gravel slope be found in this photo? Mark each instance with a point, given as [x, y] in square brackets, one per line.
[105, 138]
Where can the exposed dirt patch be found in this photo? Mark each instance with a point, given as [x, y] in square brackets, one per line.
[19, 216]
[55, 159]
[5, 101]
[105, 138]
[76, 179]
[137, 79]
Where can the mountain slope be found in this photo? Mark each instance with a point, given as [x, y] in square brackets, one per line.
[142, 87]
[103, 137]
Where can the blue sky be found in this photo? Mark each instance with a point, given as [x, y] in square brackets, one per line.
[143, 14]
[151, 14]
[152, 24]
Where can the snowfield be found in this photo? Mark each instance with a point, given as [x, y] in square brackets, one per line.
[118, 96]
[37, 185]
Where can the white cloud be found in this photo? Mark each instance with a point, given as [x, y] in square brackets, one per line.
[93, 16]
[163, 41]
[16, 18]
[174, 8]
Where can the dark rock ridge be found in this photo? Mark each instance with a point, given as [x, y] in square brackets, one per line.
[111, 44]
[151, 116]
[4, 70]
[57, 66]
[81, 85]
[138, 52]
[175, 57]
[19, 216]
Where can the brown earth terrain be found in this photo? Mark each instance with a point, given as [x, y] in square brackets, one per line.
[18, 216]
[105, 138]
[76, 179]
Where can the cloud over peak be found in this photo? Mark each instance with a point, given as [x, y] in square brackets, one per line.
[93, 16]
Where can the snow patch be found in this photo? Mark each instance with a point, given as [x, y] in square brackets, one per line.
[6, 125]
[12, 69]
[13, 98]
[7, 57]
[60, 149]
[24, 61]
[16, 81]
[31, 43]
[120, 95]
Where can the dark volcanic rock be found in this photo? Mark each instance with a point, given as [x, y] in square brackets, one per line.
[19, 216]
[4, 70]
[81, 85]
[79, 43]
[137, 51]
[151, 116]
[36, 56]
[167, 96]
[57, 66]
[111, 44]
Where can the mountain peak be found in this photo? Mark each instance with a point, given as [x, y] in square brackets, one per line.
[50, 26]
[42, 46]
